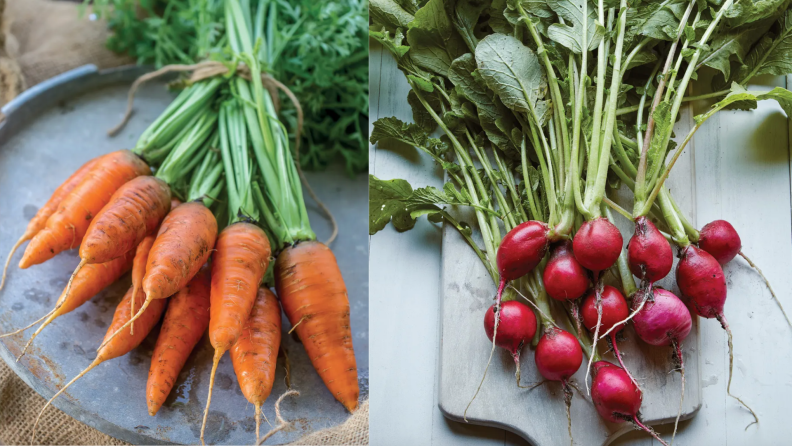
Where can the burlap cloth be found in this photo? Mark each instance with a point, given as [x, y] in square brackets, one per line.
[39, 39]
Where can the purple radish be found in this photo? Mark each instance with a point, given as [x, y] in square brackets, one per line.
[665, 320]
[616, 397]
[701, 280]
[517, 328]
[720, 239]
[602, 316]
[564, 277]
[558, 356]
[648, 252]
[597, 244]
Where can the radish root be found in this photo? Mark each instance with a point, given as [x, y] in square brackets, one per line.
[649, 430]
[752, 264]
[281, 422]
[568, 403]
[573, 306]
[595, 339]
[539, 384]
[492, 351]
[516, 357]
[619, 357]
[624, 322]
[535, 307]
[722, 319]
[678, 351]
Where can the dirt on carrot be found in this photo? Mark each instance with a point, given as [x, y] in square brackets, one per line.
[66, 227]
[315, 300]
[184, 324]
[255, 353]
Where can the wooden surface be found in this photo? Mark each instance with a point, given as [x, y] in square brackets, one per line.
[742, 173]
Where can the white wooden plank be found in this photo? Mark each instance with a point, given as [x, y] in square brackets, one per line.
[405, 294]
[744, 178]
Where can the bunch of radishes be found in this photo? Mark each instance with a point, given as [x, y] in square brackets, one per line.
[660, 318]
[532, 99]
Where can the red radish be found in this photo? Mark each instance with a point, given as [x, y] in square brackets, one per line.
[614, 309]
[564, 277]
[597, 244]
[609, 312]
[615, 396]
[648, 252]
[720, 240]
[520, 251]
[665, 320]
[701, 280]
[558, 356]
[517, 328]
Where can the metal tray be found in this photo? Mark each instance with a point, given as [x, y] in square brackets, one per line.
[48, 132]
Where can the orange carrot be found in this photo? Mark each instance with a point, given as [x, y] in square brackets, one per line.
[39, 220]
[183, 244]
[141, 258]
[315, 300]
[255, 353]
[238, 266]
[87, 283]
[66, 227]
[185, 322]
[139, 270]
[120, 345]
[134, 210]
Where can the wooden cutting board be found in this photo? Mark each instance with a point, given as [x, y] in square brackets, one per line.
[539, 415]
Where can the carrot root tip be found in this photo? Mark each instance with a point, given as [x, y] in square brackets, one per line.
[16, 246]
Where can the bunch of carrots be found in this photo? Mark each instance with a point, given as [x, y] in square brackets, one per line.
[199, 236]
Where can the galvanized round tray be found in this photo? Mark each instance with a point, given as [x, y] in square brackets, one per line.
[48, 132]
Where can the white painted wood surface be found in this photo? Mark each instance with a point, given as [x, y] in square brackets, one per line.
[742, 169]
